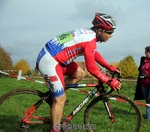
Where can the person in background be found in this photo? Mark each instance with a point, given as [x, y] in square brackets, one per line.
[56, 59]
[29, 73]
[143, 83]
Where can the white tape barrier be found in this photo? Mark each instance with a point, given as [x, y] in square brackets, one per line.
[19, 77]
[83, 91]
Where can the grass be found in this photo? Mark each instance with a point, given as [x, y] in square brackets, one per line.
[7, 84]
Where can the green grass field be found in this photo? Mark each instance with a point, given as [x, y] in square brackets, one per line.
[7, 84]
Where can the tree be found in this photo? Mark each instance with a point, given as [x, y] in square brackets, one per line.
[5, 60]
[128, 67]
[22, 65]
[115, 64]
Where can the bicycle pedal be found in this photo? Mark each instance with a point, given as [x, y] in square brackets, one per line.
[24, 126]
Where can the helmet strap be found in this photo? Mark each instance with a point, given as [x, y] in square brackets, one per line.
[99, 34]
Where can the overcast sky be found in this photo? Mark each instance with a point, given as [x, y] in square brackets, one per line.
[26, 25]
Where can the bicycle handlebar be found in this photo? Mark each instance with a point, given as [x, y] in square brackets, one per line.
[111, 75]
[115, 73]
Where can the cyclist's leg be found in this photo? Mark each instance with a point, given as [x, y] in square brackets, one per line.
[48, 66]
[57, 111]
[75, 73]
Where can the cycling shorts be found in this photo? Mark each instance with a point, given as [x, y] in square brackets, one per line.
[55, 71]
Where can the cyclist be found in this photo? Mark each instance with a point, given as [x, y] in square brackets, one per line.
[56, 59]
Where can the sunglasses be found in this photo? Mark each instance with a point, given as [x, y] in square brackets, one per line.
[108, 32]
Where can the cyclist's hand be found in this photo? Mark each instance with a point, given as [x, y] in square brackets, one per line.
[114, 84]
[114, 69]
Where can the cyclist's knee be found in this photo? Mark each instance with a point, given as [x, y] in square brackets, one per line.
[60, 100]
[80, 73]
[83, 73]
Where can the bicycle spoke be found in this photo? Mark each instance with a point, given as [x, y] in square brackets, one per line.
[12, 112]
[126, 115]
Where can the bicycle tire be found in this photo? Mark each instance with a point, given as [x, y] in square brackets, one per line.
[96, 117]
[13, 105]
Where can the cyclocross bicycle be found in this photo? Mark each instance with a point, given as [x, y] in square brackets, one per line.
[28, 110]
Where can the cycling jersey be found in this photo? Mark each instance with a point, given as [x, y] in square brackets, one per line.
[65, 47]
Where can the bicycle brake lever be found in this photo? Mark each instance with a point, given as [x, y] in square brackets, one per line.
[118, 91]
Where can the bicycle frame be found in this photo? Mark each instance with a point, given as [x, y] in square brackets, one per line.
[83, 103]
[29, 112]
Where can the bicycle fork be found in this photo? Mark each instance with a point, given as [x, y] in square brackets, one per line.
[108, 109]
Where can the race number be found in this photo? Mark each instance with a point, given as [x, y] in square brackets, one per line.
[65, 37]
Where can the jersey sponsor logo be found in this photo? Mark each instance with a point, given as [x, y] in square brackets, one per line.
[53, 78]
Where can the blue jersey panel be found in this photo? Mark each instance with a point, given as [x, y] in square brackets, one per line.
[41, 54]
[54, 47]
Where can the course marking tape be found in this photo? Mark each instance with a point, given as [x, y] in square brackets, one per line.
[76, 85]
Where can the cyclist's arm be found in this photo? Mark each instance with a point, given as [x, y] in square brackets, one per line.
[89, 54]
[100, 60]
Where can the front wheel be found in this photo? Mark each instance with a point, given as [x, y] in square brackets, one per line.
[122, 115]
[13, 105]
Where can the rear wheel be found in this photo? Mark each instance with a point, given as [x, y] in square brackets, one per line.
[127, 117]
[15, 103]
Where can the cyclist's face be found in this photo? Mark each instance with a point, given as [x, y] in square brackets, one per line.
[103, 36]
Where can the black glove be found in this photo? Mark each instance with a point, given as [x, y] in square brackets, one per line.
[143, 76]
